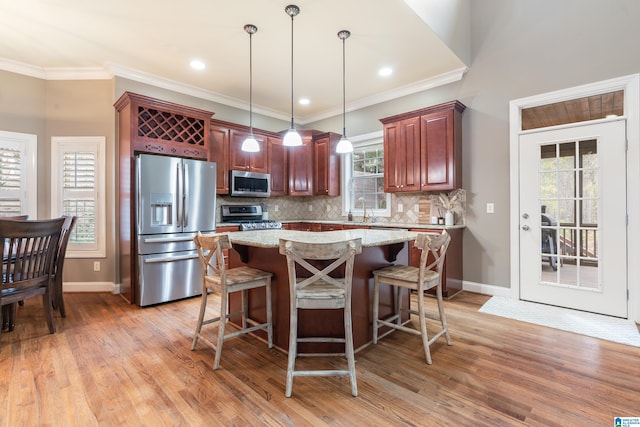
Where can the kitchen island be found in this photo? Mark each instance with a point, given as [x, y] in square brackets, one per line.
[259, 249]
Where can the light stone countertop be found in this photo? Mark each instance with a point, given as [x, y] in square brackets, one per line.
[380, 224]
[376, 224]
[271, 238]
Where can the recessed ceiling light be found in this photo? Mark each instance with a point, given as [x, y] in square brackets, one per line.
[385, 71]
[304, 101]
[197, 64]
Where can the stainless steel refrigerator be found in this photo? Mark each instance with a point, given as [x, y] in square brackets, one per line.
[175, 198]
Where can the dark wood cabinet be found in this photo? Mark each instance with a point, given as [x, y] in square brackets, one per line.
[302, 226]
[402, 155]
[354, 226]
[301, 164]
[219, 153]
[226, 151]
[310, 226]
[278, 166]
[148, 125]
[326, 176]
[423, 149]
[241, 160]
[331, 227]
[440, 153]
[452, 268]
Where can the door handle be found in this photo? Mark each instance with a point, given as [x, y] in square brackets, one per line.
[525, 227]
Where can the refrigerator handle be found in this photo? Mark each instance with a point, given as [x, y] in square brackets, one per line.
[178, 196]
[185, 194]
[138, 206]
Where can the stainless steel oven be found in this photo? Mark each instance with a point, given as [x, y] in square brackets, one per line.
[249, 217]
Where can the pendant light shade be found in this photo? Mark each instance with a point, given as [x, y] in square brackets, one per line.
[344, 145]
[250, 144]
[292, 138]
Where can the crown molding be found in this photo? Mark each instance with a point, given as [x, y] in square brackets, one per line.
[420, 86]
[85, 73]
[111, 69]
[55, 73]
[186, 89]
[22, 68]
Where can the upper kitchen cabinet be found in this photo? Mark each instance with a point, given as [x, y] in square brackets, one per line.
[278, 166]
[219, 153]
[402, 155]
[241, 160]
[301, 164]
[148, 125]
[326, 177]
[423, 149]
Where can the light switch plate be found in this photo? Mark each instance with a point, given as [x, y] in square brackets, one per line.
[490, 208]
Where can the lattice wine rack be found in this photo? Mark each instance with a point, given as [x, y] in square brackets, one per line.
[156, 126]
[167, 126]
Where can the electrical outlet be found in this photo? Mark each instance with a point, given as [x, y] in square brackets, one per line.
[276, 208]
[490, 208]
[328, 208]
[416, 208]
[96, 265]
[310, 208]
[400, 207]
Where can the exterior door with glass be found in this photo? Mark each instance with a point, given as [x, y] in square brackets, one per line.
[573, 218]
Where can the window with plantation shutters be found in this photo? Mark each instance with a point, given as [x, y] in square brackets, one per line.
[18, 174]
[78, 190]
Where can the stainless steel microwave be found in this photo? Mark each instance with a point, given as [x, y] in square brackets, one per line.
[249, 184]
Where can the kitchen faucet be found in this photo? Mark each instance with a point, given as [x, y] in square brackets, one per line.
[365, 218]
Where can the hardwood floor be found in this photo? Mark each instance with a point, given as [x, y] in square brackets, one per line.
[111, 363]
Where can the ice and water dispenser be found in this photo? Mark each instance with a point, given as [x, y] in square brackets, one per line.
[161, 209]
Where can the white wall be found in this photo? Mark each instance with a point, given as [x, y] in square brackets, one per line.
[519, 48]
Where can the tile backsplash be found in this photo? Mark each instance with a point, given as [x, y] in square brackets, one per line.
[329, 208]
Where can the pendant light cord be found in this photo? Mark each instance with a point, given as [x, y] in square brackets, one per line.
[250, 83]
[292, 125]
[344, 91]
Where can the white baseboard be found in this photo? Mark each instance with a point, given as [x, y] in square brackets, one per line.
[482, 288]
[90, 287]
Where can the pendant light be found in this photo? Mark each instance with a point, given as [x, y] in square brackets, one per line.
[250, 144]
[344, 145]
[292, 138]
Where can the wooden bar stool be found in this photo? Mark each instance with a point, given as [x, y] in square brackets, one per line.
[216, 277]
[320, 291]
[419, 279]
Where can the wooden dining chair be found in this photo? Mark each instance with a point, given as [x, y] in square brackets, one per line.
[58, 264]
[28, 249]
[326, 288]
[8, 311]
[216, 277]
[419, 279]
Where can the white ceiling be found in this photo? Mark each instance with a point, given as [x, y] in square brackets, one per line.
[154, 41]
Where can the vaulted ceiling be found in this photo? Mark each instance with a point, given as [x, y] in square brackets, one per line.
[422, 41]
